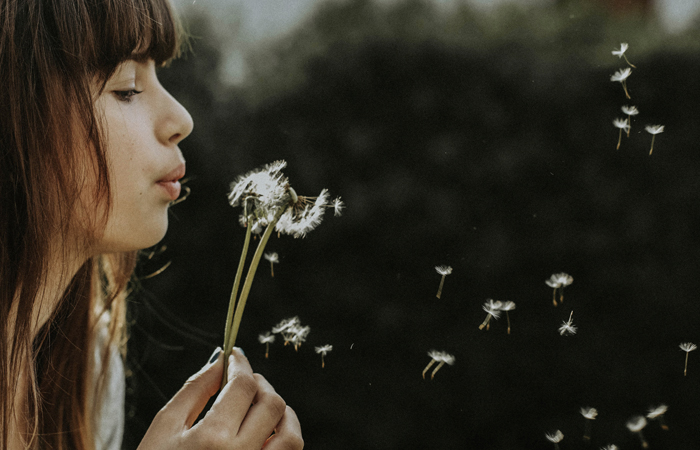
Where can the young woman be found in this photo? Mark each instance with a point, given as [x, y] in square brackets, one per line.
[89, 163]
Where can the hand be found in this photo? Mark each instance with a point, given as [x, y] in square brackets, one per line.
[243, 417]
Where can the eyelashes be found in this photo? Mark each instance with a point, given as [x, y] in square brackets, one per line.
[126, 96]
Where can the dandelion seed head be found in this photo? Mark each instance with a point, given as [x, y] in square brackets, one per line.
[338, 207]
[266, 338]
[286, 324]
[441, 356]
[555, 437]
[323, 349]
[623, 48]
[688, 347]
[443, 270]
[636, 424]
[507, 306]
[630, 110]
[621, 75]
[265, 186]
[567, 328]
[656, 412]
[304, 216]
[621, 123]
[272, 257]
[654, 129]
[589, 413]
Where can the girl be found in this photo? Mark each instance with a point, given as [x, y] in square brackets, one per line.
[89, 163]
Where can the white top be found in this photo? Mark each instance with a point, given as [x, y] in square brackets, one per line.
[109, 423]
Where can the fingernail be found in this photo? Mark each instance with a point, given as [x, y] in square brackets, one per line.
[215, 355]
[240, 350]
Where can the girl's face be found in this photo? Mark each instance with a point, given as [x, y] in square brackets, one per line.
[143, 125]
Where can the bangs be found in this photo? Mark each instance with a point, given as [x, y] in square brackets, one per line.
[130, 29]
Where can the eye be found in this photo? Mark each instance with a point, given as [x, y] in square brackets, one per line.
[126, 96]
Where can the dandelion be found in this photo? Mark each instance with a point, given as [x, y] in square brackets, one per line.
[338, 207]
[266, 339]
[559, 281]
[621, 53]
[493, 309]
[269, 203]
[610, 447]
[621, 76]
[568, 328]
[555, 438]
[658, 414]
[274, 259]
[654, 130]
[630, 111]
[635, 425]
[323, 350]
[687, 347]
[622, 124]
[444, 271]
[292, 332]
[441, 358]
[589, 414]
[508, 306]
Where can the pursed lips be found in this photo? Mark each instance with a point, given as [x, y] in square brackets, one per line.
[170, 182]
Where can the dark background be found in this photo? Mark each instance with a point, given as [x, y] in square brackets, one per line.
[481, 142]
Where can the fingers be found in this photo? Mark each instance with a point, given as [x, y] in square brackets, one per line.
[262, 418]
[190, 400]
[233, 403]
[287, 433]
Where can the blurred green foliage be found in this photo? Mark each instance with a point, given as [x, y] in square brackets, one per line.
[480, 141]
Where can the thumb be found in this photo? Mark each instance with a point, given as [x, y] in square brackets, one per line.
[191, 399]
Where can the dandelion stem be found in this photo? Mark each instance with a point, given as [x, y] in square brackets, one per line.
[645, 444]
[685, 370]
[442, 282]
[432, 361]
[554, 296]
[561, 294]
[508, 317]
[619, 139]
[628, 61]
[240, 307]
[485, 322]
[232, 300]
[267, 349]
[624, 86]
[432, 375]
[653, 136]
[323, 362]
[272, 269]
[587, 434]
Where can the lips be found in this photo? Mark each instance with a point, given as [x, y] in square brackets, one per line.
[170, 182]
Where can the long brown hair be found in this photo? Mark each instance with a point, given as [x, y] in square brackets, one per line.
[51, 54]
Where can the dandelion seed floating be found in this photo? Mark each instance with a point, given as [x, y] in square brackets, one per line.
[654, 130]
[493, 309]
[266, 339]
[274, 259]
[444, 271]
[441, 358]
[610, 447]
[630, 111]
[621, 53]
[323, 350]
[687, 347]
[338, 207]
[568, 328]
[508, 306]
[589, 414]
[292, 332]
[555, 438]
[559, 281]
[635, 425]
[621, 76]
[622, 124]
[658, 414]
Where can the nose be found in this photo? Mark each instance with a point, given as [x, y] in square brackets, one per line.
[176, 123]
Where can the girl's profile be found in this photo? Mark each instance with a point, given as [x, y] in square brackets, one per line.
[89, 165]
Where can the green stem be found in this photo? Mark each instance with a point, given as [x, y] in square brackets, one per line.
[234, 294]
[240, 307]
